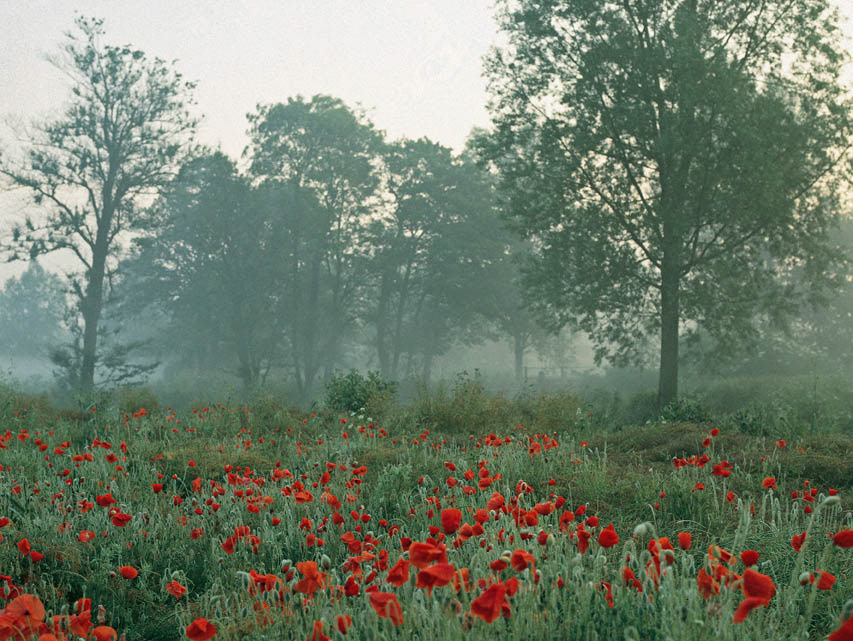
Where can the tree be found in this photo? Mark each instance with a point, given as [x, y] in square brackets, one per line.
[433, 249]
[30, 320]
[324, 152]
[672, 161]
[119, 141]
[211, 242]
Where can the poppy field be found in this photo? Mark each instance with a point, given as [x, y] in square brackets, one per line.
[219, 524]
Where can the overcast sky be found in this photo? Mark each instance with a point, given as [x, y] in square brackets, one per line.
[414, 65]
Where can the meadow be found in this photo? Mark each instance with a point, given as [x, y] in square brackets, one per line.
[460, 516]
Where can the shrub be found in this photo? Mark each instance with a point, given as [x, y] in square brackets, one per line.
[353, 392]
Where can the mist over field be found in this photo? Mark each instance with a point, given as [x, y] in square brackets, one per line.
[181, 215]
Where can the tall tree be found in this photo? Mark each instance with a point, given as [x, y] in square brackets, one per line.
[210, 240]
[433, 245]
[30, 320]
[118, 141]
[672, 160]
[323, 149]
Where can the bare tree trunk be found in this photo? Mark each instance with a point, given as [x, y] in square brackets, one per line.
[668, 376]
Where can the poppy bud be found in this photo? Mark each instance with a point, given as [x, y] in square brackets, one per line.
[831, 500]
[804, 577]
[326, 562]
[642, 529]
[285, 565]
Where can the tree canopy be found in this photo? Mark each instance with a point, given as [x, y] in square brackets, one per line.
[672, 161]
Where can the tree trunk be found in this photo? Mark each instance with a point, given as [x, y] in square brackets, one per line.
[668, 376]
[519, 347]
[92, 307]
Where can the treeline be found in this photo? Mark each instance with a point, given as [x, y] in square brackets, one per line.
[672, 173]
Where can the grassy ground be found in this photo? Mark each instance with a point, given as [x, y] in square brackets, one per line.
[351, 492]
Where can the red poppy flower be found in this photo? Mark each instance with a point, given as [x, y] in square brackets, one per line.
[491, 603]
[80, 624]
[399, 574]
[684, 540]
[176, 589]
[387, 606]
[424, 554]
[343, 622]
[825, 580]
[129, 572]
[105, 500]
[120, 520]
[313, 580]
[521, 559]
[746, 606]
[608, 537]
[201, 630]
[26, 611]
[317, 634]
[436, 575]
[104, 633]
[758, 585]
[843, 538]
[24, 547]
[844, 632]
[451, 518]
[749, 557]
[797, 541]
[769, 482]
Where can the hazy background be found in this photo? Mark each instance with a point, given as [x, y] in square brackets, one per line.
[413, 66]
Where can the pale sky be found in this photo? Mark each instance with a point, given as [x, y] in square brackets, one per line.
[414, 65]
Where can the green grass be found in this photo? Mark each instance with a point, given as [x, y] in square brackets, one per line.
[621, 473]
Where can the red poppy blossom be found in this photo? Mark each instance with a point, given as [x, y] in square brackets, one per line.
[844, 632]
[843, 539]
[24, 547]
[769, 482]
[684, 540]
[521, 559]
[317, 634]
[758, 585]
[608, 537]
[387, 606]
[746, 606]
[749, 557]
[201, 630]
[797, 541]
[451, 518]
[491, 603]
[26, 611]
[424, 554]
[120, 519]
[343, 622]
[825, 580]
[436, 575]
[176, 589]
[104, 633]
[129, 572]
[398, 575]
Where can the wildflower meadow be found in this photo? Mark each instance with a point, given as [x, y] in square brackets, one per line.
[223, 523]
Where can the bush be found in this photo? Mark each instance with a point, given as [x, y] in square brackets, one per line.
[353, 392]
[685, 409]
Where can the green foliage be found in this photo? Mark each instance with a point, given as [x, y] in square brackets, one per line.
[685, 409]
[355, 393]
[123, 131]
[671, 161]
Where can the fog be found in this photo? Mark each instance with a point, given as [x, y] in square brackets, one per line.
[247, 202]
